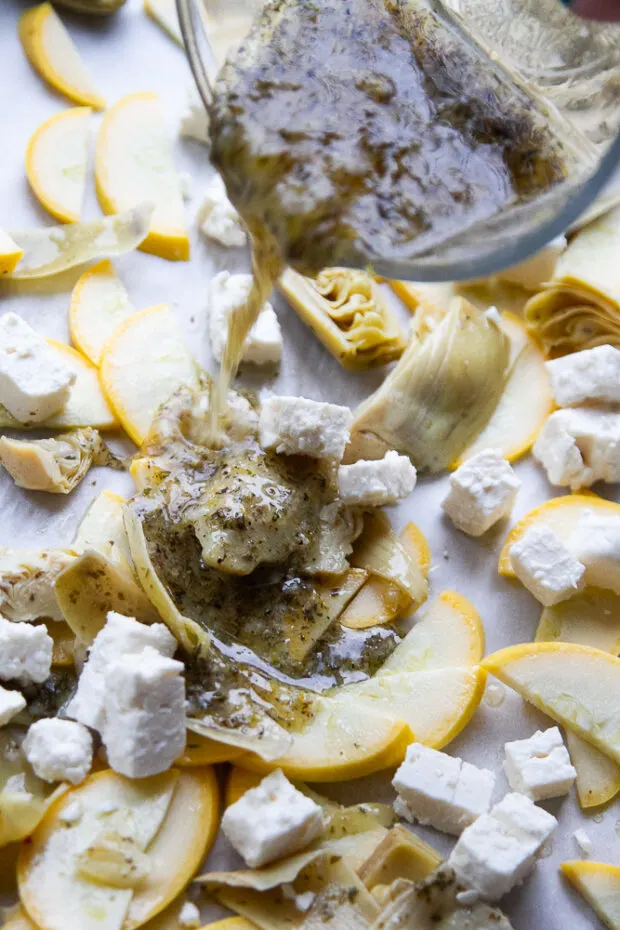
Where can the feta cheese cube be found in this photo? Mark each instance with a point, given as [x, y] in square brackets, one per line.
[577, 447]
[379, 483]
[590, 376]
[271, 821]
[34, 383]
[194, 120]
[540, 766]
[442, 790]
[263, 344]
[595, 541]
[59, 750]
[11, 704]
[25, 652]
[189, 915]
[121, 636]
[297, 426]
[218, 218]
[546, 567]
[583, 841]
[497, 851]
[482, 491]
[144, 729]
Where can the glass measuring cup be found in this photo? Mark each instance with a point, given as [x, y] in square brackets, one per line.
[571, 67]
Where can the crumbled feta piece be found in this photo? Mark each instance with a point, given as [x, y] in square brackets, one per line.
[11, 704]
[546, 567]
[218, 218]
[579, 446]
[379, 483]
[227, 292]
[34, 383]
[497, 851]
[25, 652]
[592, 375]
[595, 542]
[144, 729]
[185, 181]
[303, 902]
[583, 841]
[482, 491]
[271, 821]
[72, 813]
[540, 766]
[59, 750]
[189, 915]
[194, 120]
[297, 426]
[442, 790]
[467, 898]
[493, 315]
[121, 636]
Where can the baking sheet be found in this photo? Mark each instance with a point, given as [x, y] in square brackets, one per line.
[129, 53]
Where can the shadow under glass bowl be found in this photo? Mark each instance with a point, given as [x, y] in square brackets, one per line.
[573, 65]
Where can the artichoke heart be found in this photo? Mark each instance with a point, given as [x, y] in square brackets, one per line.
[54, 465]
[346, 311]
[580, 307]
[27, 579]
[440, 395]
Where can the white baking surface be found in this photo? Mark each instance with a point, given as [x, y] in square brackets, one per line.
[129, 53]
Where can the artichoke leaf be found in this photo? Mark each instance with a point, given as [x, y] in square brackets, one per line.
[380, 552]
[440, 395]
[27, 579]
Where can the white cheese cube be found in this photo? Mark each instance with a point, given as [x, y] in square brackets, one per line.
[144, 730]
[271, 821]
[577, 447]
[194, 120]
[540, 766]
[218, 218]
[586, 377]
[59, 750]
[227, 292]
[497, 851]
[11, 704]
[595, 542]
[482, 491]
[546, 567]
[25, 652]
[583, 842]
[297, 426]
[379, 483]
[121, 636]
[34, 383]
[189, 915]
[442, 790]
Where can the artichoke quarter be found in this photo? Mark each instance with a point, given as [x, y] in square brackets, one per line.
[91, 7]
[439, 396]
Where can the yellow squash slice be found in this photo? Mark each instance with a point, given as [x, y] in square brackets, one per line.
[56, 162]
[561, 514]
[142, 365]
[577, 686]
[133, 163]
[200, 750]
[591, 619]
[598, 777]
[99, 304]
[10, 254]
[164, 13]
[347, 312]
[51, 52]
[86, 406]
[526, 401]
[52, 249]
[599, 883]
[172, 817]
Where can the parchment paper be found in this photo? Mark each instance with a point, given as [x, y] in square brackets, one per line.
[129, 53]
